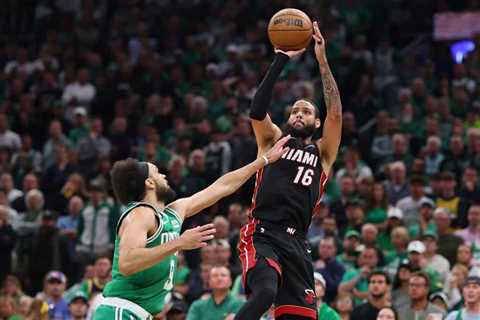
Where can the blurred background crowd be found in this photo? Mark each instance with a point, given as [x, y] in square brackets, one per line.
[84, 83]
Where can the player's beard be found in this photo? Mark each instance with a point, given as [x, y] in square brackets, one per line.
[164, 193]
[305, 132]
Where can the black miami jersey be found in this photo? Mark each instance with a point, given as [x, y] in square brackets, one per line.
[287, 191]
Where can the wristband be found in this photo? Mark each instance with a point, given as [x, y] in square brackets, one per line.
[266, 159]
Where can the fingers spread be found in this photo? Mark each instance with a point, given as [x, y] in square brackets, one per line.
[206, 226]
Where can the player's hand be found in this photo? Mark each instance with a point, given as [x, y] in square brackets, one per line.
[277, 150]
[319, 44]
[291, 54]
[197, 237]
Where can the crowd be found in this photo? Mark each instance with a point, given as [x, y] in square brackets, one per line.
[84, 83]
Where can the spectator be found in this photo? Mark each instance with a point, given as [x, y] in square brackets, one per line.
[8, 309]
[369, 234]
[426, 219]
[351, 243]
[449, 199]
[8, 185]
[433, 155]
[410, 205]
[324, 311]
[8, 238]
[471, 296]
[397, 186]
[400, 295]
[12, 288]
[78, 306]
[471, 234]
[419, 308]
[92, 147]
[378, 206]
[355, 281]
[329, 268]
[394, 220]
[53, 290]
[347, 192]
[8, 138]
[400, 240]
[416, 256]
[27, 159]
[434, 260]
[39, 310]
[344, 306]
[453, 285]
[221, 301]
[447, 243]
[56, 136]
[387, 313]
[96, 226]
[80, 92]
[30, 182]
[378, 287]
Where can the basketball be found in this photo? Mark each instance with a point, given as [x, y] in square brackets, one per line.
[290, 30]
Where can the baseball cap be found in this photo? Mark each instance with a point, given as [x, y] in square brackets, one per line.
[79, 295]
[56, 275]
[416, 246]
[439, 295]
[318, 277]
[427, 202]
[80, 111]
[352, 233]
[430, 233]
[394, 212]
[472, 280]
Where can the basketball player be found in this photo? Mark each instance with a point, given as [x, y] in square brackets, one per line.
[147, 235]
[276, 261]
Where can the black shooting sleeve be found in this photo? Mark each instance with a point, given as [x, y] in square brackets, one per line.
[261, 100]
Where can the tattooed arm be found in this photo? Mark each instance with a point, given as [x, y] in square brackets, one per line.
[332, 128]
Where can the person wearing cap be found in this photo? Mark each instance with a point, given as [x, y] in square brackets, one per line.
[96, 225]
[419, 307]
[350, 243]
[80, 129]
[410, 204]
[53, 295]
[355, 281]
[400, 297]
[355, 212]
[449, 199]
[434, 260]
[448, 242]
[471, 297]
[378, 288]
[324, 311]
[78, 306]
[394, 220]
[221, 303]
[426, 218]
[416, 256]
[440, 299]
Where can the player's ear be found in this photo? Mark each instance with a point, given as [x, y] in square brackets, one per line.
[149, 183]
[317, 123]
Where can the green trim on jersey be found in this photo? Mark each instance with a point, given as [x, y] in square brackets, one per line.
[151, 287]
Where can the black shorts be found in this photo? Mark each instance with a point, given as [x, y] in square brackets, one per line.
[287, 251]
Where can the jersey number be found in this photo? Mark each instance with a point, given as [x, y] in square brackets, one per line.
[304, 176]
[169, 284]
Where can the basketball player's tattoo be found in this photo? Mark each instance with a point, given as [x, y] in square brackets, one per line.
[330, 91]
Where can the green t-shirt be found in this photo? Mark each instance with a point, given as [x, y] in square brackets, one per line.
[376, 215]
[327, 313]
[181, 276]
[348, 264]
[384, 242]
[76, 134]
[208, 309]
[151, 287]
[362, 284]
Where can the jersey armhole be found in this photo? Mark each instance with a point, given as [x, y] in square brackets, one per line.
[157, 216]
[177, 216]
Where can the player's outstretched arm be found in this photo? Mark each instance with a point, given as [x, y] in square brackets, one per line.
[228, 183]
[266, 132]
[133, 254]
[332, 128]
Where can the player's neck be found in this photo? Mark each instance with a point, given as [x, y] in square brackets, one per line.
[151, 198]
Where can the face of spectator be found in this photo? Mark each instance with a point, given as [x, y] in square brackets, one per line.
[398, 174]
[75, 205]
[329, 226]
[442, 220]
[220, 278]
[326, 249]
[386, 314]
[35, 202]
[78, 308]
[430, 245]
[30, 182]
[378, 192]
[223, 228]
[377, 286]
[456, 145]
[55, 129]
[83, 76]
[223, 254]
[6, 182]
[369, 258]
[369, 233]
[6, 308]
[471, 293]
[302, 121]
[319, 290]
[102, 268]
[449, 186]
[55, 288]
[470, 176]
[464, 255]
[347, 186]
[404, 274]
[344, 304]
[3, 217]
[348, 122]
[426, 212]
[415, 258]
[417, 288]
[474, 216]
[417, 190]
[208, 254]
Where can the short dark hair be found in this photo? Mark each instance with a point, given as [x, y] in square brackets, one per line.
[395, 314]
[379, 273]
[128, 185]
[421, 274]
[317, 111]
[417, 180]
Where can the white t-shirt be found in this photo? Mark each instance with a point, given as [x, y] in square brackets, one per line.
[465, 315]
